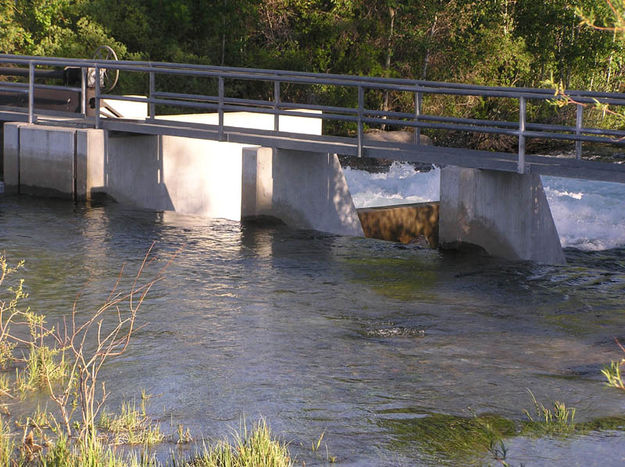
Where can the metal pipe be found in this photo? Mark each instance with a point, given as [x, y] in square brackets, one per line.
[98, 123]
[361, 105]
[221, 91]
[14, 71]
[417, 108]
[521, 161]
[276, 105]
[578, 130]
[31, 92]
[83, 91]
[152, 86]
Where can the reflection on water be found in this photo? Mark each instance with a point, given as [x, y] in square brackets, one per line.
[321, 333]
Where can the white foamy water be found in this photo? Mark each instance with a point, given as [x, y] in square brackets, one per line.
[402, 184]
[589, 215]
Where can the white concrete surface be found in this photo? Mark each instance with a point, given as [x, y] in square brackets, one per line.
[257, 121]
[185, 175]
[507, 214]
[52, 161]
[303, 189]
[189, 176]
[126, 109]
[11, 157]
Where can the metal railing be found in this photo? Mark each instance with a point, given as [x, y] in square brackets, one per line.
[360, 115]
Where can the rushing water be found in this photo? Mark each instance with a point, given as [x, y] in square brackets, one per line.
[363, 340]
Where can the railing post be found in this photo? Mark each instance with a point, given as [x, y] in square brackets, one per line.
[361, 106]
[276, 106]
[83, 91]
[151, 104]
[98, 123]
[578, 130]
[220, 107]
[417, 112]
[521, 161]
[31, 92]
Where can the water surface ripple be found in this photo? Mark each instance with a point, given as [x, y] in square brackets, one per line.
[353, 337]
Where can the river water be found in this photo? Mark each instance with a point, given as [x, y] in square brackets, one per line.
[384, 348]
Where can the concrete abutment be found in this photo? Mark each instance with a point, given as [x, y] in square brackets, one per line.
[505, 213]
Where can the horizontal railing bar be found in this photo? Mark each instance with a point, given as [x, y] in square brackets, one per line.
[12, 89]
[441, 126]
[573, 137]
[40, 86]
[347, 110]
[469, 125]
[311, 78]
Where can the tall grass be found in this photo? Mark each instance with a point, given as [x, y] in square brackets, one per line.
[256, 448]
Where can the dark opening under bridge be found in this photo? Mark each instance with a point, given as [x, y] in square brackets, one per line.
[519, 170]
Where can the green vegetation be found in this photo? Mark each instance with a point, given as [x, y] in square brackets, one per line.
[131, 426]
[493, 42]
[64, 361]
[559, 420]
[257, 448]
[612, 373]
[455, 440]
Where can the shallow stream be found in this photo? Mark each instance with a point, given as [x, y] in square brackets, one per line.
[382, 347]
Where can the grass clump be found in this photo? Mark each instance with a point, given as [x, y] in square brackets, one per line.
[256, 448]
[558, 420]
[448, 438]
[131, 426]
[612, 373]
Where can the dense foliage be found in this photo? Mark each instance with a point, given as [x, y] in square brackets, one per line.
[509, 42]
[494, 42]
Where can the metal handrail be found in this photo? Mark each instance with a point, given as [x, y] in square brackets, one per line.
[360, 114]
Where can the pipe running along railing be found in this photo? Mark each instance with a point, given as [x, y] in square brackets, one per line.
[360, 115]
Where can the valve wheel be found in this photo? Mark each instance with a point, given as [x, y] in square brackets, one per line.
[108, 78]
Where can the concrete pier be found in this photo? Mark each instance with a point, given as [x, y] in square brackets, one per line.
[52, 161]
[505, 213]
[186, 175]
[303, 189]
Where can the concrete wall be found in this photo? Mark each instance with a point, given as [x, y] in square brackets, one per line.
[189, 176]
[51, 161]
[505, 213]
[303, 189]
[258, 121]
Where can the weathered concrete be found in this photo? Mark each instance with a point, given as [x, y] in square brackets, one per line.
[189, 176]
[505, 213]
[406, 223]
[47, 160]
[52, 161]
[185, 175]
[303, 189]
[11, 157]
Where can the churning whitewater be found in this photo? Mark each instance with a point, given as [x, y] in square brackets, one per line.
[588, 214]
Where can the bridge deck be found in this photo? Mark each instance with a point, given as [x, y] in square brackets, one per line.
[360, 116]
[403, 152]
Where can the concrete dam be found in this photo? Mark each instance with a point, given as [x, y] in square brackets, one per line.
[239, 158]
